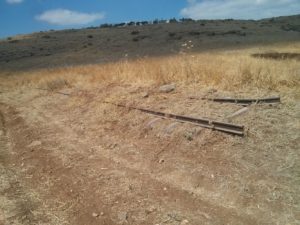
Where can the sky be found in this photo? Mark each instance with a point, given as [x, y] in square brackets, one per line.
[27, 16]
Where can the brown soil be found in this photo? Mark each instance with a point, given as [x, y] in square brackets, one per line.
[75, 160]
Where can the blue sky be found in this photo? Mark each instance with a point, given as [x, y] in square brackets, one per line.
[26, 16]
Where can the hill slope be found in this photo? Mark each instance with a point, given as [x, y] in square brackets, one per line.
[47, 49]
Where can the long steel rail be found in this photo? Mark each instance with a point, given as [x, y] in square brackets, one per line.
[270, 100]
[206, 123]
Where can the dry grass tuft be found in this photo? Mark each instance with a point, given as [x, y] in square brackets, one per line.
[228, 70]
[56, 84]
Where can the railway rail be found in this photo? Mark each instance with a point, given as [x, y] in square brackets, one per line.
[206, 123]
[240, 101]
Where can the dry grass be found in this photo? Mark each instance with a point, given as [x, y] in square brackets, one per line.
[227, 70]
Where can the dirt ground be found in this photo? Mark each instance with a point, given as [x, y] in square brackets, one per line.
[76, 160]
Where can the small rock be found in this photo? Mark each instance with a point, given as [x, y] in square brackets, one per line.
[150, 210]
[145, 95]
[34, 144]
[161, 161]
[167, 88]
[95, 214]
[165, 189]
[184, 222]
[102, 214]
[212, 90]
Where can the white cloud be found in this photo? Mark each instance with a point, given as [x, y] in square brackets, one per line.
[65, 17]
[14, 1]
[239, 9]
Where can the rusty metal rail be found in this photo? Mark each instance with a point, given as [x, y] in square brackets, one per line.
[206, 123]
[270, 100]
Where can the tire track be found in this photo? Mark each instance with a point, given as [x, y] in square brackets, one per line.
[19, 204]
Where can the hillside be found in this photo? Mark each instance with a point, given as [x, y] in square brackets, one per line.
[100, 45]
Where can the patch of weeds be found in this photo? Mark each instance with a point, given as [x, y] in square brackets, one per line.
[234, 32]
[57, 84]
[277, 55]
[14, 41]
[194, 33]
[135, 32]
[136, 39]
[290, 27]
[46, 36]
[172, 34]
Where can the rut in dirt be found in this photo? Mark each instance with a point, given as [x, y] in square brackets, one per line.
[20, 204]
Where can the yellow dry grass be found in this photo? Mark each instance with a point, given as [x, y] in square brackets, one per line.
[227, 70]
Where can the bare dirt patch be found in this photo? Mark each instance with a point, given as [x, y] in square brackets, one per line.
[278, 55]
